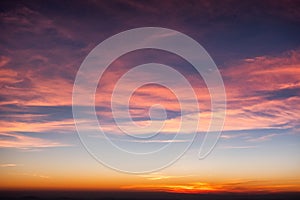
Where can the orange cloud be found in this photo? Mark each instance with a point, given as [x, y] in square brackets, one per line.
[197, 187]
[36, 126]
[249, 186]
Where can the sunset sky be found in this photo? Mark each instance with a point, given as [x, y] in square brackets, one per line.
[255, 45]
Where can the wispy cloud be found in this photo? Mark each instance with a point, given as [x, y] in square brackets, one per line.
[35, 175]
[160, 176]
[48, 76]
[263, 106]
[14, 140]
[238, 147]
[233, 135]
[263, 138]
[8, 165]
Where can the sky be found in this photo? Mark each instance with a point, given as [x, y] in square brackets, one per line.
[254, 44]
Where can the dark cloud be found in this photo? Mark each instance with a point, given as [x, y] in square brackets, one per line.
[281, 94]
[13, 112]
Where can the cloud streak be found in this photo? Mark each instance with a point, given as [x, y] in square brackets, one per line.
[9, 140]
[8, 165]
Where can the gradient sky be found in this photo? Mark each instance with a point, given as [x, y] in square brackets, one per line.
[255, 44]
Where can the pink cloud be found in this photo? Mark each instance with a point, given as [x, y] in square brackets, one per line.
[22, 141]
[4, 60]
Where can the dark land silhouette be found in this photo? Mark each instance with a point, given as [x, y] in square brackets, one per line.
[116, 195]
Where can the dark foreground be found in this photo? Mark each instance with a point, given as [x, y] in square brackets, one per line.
[70, 195]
